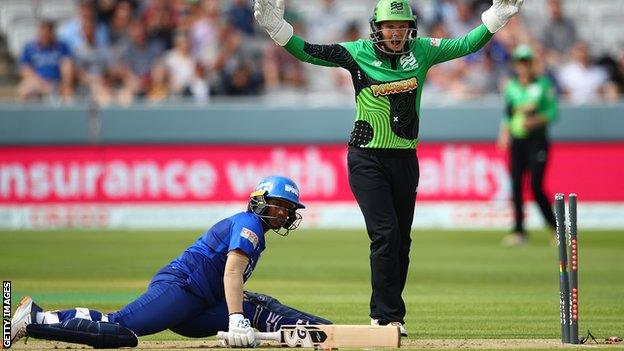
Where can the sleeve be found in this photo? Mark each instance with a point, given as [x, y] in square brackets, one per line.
[549, 102]
[245, 236]
[441, 50]
[332, 55]
[65, 51]
[26, 58]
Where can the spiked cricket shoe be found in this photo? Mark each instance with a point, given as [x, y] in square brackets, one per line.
[25, 314]
[396, 324]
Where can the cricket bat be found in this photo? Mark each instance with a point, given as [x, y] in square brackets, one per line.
[331, 336]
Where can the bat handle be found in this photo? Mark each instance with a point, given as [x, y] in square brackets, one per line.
[269, 336]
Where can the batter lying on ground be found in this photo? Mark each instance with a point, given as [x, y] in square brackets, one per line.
[197, 294]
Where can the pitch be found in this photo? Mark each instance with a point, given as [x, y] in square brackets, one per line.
[464, 290]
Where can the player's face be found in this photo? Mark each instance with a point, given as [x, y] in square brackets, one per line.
[278, 212]
[523, 67]
[394, 34]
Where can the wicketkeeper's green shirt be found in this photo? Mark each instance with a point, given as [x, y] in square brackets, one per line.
[387, 91]
[539, 97]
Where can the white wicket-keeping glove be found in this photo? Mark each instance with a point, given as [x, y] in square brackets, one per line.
[270, 16]
[240, 332]
[501, 11]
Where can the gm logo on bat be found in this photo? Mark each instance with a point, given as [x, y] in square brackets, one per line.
[302, 336]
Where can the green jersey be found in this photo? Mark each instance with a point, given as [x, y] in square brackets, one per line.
[387, 89]
[537, 98]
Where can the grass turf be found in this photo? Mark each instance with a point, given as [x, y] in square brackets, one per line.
[461, 284]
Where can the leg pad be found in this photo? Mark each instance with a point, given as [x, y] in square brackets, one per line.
[83, 331]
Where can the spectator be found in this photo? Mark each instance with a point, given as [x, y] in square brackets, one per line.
[282, 71]
[241, 17]
[71, 32]
[581, 81]
[483, 77]
[463, 20]
[91, 64]
[212, 40]
[615, 78]
[104, 10]
[46, 66]
[140, 56]
[181, 67]
[119, 24]
[559, 34]
[160, 18]
[241, 78]
[159, 88]
[325, 24]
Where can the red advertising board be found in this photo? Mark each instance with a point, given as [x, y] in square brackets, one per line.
[202, 173]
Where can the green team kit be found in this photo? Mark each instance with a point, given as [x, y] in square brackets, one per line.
[537, 98]
[388, 88]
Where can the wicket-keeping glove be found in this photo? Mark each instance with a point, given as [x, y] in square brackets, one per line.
[240, 332]
[270, 16]
[501, 11]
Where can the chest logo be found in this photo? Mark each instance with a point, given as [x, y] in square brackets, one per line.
[408, 61]
[401, 86]
[377, 63]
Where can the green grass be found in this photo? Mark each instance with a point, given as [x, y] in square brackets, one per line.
[461, 284]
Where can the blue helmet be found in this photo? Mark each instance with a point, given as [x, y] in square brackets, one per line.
[278, 187]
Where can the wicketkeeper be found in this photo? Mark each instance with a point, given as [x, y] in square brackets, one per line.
[197, 294]
[388, 71]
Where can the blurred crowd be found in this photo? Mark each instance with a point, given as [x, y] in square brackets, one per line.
[123, 51]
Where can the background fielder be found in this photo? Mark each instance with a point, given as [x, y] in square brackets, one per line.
[531, 101]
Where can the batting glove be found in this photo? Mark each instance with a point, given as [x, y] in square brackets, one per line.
[501, 11]
[240, 332]
[270, 16]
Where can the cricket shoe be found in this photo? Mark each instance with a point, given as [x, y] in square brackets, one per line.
[514, 240]
[395, 324]
[25, 314]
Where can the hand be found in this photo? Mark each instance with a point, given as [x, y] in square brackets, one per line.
[532, 123]
[527, 109]
[503, 142]
[500, 12]
[270, 16]
[240, 332]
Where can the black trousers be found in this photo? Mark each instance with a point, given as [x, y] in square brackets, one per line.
[384, 183]
[530, 155]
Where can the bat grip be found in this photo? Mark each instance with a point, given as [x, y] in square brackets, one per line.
[269, 336]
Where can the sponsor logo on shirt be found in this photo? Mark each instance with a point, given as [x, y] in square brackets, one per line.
[408, 61]
[251, 236]
[401, 86]
[435, 41]
[377, 63]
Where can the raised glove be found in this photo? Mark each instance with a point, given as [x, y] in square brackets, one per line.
[240, 332]
[501, 11]
[270, 16]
